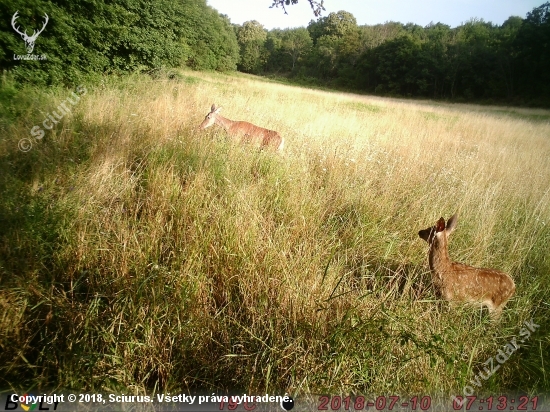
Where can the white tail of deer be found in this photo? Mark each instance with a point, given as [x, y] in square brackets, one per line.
[462, 283]
[243, 131]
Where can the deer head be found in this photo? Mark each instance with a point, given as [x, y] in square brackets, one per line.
[210, 118]
[437, 235]
[29, 41]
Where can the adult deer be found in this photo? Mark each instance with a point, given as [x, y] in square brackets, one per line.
[462, 283]
[29, 41]
[243, 131]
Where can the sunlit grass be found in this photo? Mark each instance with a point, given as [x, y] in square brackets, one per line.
[144, 255]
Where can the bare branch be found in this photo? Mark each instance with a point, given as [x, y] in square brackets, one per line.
[316, 6]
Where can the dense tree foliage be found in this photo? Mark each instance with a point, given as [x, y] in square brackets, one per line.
[251, 37]
[287, 48]
[532, 52]
[474, 61]
[96, 36]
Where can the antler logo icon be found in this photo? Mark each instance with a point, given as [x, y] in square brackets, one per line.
[29, 40]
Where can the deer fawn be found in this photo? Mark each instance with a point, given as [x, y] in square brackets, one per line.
[243, 131]
[458, 282]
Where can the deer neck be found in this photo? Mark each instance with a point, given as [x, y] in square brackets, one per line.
[439, 258]
[223, 122]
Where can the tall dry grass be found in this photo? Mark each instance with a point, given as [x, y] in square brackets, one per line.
[142, 255]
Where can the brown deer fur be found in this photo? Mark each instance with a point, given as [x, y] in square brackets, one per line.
[462, 283]
[244, 132]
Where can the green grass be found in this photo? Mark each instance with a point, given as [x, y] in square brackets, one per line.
[541, 117]
[139, 255]
[364, 107]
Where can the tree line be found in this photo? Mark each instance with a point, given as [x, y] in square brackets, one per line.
[86, 37]
[475, 61]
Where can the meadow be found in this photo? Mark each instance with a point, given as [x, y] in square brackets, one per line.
[139, 255]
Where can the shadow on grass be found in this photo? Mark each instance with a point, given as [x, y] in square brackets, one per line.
[42, 297]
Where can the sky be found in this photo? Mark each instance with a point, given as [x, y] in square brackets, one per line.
[422, 12]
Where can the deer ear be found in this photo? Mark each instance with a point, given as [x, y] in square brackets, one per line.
[451, 223]
[218, 110]
[213, 108]
[440, 225]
